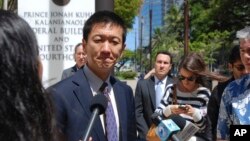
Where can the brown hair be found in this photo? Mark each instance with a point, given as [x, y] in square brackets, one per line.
[194, 63]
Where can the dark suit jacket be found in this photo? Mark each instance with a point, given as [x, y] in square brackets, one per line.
[69, 72]
[145, 104]
[72, 98]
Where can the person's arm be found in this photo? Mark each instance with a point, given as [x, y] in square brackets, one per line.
[140, 121]
[150, 73]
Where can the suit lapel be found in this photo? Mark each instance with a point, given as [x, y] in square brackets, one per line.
[121, 105]
[151, 87]
[84, 95]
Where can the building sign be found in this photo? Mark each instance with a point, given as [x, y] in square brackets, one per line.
[58, 27]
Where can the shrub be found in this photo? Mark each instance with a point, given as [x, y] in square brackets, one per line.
[127, 74]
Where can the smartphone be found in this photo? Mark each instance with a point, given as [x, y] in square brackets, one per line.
[183, 107]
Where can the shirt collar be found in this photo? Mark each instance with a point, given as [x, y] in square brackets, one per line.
[164, 80]
[94, 81]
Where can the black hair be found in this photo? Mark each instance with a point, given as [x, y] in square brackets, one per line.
[103, 17]
[166, 53]
[234, 54]
[25, 109]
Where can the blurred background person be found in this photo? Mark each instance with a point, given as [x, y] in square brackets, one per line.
[237, 70]
[149, 92]
[189, 91]
[235, 104]
[80, 58]
[25, 108]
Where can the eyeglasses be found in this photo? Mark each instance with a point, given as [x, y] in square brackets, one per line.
[191, 78]
[240, 67]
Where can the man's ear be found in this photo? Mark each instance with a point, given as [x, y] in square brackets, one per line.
[123, 48]
[170, 67]
[84, 46]
[83, 43]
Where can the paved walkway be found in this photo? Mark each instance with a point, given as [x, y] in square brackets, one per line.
[131, 83]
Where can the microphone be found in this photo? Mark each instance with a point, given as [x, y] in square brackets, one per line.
[156, 118]
[98, 106]
[175, 127]
[167, 129]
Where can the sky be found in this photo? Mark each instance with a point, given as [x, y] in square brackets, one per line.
[132, 35]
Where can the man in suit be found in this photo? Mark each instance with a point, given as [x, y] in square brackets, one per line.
[104, 36]
[146, 99]
[80, 59]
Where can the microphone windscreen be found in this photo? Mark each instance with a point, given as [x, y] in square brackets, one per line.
[156, 118]
[180, 121]
[99, 101]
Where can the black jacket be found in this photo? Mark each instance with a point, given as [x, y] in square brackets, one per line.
[214, 104]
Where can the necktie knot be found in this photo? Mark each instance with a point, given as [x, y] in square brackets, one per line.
[159, 82]
[103, 87]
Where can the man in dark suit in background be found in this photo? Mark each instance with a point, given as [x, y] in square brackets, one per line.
[80, 59]
[146, 98]
[104, 36]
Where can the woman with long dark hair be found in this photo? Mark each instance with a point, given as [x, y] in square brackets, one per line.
[190, 95]
[25, 108]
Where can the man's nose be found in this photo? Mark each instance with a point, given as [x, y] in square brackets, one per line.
[106, 46]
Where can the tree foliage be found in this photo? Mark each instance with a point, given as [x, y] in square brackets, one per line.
[213, 24]
[127, 9]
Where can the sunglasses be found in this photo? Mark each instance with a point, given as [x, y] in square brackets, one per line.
[240, 67]
[191, 78]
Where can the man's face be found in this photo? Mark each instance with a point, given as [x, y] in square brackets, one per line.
[245, 53]
[103, 47]
[162, 65]
[80, 56]
[237, 69]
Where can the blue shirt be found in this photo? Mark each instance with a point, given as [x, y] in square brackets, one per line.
[234, 107]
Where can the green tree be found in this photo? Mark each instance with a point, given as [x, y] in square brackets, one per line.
[127, 9]
[169, 37]
[230, 15]
[12, 5]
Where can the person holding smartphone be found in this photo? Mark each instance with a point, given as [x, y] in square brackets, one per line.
[189, 97]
